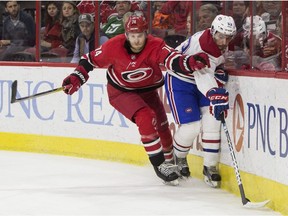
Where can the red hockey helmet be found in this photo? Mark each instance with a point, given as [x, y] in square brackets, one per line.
[136, 24]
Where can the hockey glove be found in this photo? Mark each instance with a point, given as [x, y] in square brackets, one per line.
[218, 102]
[198, 61]
[221, 77]
[74, 81]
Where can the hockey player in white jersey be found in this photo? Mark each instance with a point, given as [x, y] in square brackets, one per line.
[193, 98]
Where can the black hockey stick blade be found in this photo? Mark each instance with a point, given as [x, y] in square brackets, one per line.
[14, 92]
[246, 202]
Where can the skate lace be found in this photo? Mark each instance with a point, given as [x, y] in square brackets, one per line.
[166, 168]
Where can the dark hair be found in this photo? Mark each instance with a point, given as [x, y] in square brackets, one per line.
[48, 19]
[5, 3]
[74, 7]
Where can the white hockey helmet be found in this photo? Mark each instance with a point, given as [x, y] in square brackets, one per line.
[223, 24]
[259, 27]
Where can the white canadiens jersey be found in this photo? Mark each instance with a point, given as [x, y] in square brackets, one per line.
[201, 42]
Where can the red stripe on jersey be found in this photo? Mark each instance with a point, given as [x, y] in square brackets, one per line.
[184, 147]
[211, 141]
[172, 101]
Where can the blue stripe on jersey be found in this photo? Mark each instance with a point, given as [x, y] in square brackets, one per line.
[211, 150]
[185, 47]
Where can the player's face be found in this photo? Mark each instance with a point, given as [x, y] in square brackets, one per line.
[137, 41]
[222, 40]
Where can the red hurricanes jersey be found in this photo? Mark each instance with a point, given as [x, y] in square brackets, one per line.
[130, 71]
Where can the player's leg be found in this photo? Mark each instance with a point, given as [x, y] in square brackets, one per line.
[133, 107]
[183, 101]
[153, 100]
[211, 148]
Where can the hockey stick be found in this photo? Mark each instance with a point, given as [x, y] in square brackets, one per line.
[14, 92]
[246, 202]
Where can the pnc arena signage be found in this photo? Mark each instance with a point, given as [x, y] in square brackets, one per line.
[260, 127]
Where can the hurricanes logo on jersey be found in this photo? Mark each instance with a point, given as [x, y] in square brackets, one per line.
[137, 75]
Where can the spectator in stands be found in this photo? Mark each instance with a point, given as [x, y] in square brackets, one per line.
[52, 31]
[108, 8]
[238, 12]
[206, 15]
[86, 7]
[69, 30]
[269, 11]
[114, 25]
[18, 31]
[85, 42]
[272, 10]
[180, 10]
[160, 22]
[70, 27]
[266, 45]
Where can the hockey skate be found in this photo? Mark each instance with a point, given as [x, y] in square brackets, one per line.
[183, 168]
[211, 176]
[167, 172]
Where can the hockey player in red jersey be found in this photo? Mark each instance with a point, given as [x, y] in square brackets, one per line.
[133, 60]
[191, 98]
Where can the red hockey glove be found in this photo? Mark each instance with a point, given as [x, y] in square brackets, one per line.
[74, 81]
[219, 98]
[198, 61]
[221, 77]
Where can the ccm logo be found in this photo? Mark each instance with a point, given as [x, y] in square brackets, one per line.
[219, 97]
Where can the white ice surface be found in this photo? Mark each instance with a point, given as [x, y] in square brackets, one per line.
[40, 184]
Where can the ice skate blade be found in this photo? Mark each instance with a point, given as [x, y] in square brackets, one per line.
[213, 184]
[256, 204]
[171, 183]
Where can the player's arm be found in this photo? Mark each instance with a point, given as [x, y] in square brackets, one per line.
[87, 63]
[75, 80]
[186, 64]
[219, 97]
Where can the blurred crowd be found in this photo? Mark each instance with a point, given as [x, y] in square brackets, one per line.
[68, 28]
